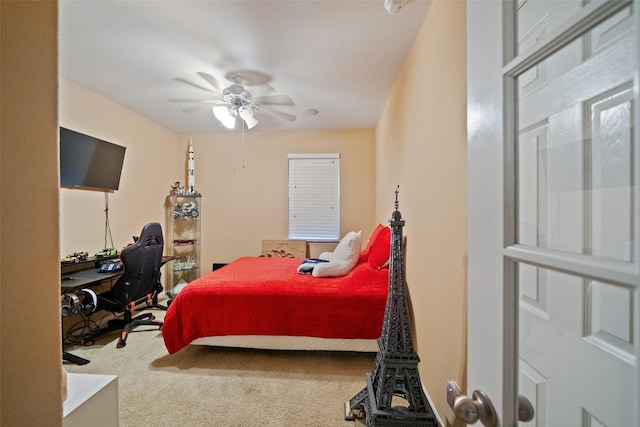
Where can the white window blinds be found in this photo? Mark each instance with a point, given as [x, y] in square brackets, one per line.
[314, 196]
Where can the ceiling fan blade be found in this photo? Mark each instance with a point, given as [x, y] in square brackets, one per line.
[198, 101]
[212, 81]
[279, 114]
[195, 108]
[261, 89]
[274, 100]
[185, 81]
[257, 80]
[248, 77]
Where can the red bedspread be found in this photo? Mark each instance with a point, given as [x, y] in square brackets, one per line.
[266, 296]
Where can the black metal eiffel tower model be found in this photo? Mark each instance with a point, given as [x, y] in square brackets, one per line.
[395, 372]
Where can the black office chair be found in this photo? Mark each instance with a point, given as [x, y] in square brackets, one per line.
[139, 283]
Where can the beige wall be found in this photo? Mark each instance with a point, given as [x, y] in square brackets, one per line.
[30, 356]
[245, 186]
[149, 165]
[421, 146]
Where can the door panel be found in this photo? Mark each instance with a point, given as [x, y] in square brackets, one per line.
[576, 359]
[565, 205]
[609, 126]
[575, 149]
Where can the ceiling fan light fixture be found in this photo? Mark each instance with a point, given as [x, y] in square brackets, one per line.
[247, 115]
[220, 112]
[225, 117]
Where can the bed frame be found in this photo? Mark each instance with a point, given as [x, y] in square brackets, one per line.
[289, 343]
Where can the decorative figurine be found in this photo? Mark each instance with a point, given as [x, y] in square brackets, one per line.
[186, 211]
[75, 257]
[191, 173]
[106, 253]
[395, 371]
[176, 189]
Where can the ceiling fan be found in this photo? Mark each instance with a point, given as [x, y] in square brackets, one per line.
[236, 102]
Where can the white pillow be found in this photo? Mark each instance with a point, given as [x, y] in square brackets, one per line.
[326, 256]
[343, 259]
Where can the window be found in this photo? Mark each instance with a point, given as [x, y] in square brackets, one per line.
[314, 196]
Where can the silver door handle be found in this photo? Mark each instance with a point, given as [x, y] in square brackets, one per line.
[470, 410]
[479, 407]
[525, 409]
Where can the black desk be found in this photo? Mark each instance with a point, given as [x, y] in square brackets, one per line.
[85, 278]
[78, 280]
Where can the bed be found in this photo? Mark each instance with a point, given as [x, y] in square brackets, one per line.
[261, 302]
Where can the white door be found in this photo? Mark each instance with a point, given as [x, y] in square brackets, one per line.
[554, 210]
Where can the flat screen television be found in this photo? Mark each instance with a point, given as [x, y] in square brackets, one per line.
[89, 162]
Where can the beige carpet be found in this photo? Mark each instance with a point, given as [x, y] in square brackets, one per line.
[212, 386]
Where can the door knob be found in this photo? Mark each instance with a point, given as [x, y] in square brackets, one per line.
[525, 409]
[471, 409]
[479, 407]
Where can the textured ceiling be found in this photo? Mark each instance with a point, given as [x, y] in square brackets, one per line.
[339, 57]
